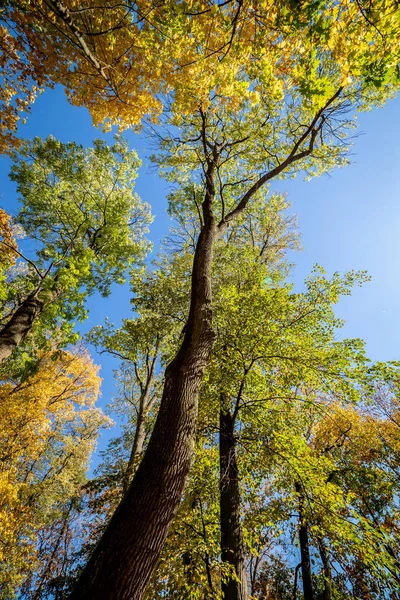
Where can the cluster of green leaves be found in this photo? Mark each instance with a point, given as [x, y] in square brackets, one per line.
[87, 225]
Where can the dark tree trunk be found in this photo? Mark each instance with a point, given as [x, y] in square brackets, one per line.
[19, 325]
[124, 559]
[327, 570]
[232, 547]
[53, 558]
[304, 547]
[296, 575]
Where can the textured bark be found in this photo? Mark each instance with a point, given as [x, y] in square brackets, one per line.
[19, 325]
[232, 547]
[124, 559]
[304, 547]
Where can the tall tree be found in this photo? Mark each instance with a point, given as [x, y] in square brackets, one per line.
[79, 206]
[160, 300]
[277, 105]
[229, 149]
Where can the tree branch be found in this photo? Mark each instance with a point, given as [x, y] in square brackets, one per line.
[294, 156]
[30, 262]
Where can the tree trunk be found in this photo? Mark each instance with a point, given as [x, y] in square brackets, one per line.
[19, 325]
[232, 547]
[327, 570]
[137, 448]
[304, 547]
[296, 575]
[145, 406]
[125, 556]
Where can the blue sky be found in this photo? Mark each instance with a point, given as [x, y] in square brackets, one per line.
[349, 220]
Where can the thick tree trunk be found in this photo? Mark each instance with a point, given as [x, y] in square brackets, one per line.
[19, 325]
[124, 559]
[304, 547]
[232, 547]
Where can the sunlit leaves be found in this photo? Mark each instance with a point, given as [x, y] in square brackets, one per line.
[122, 61]
[49, 429]
[87, 224]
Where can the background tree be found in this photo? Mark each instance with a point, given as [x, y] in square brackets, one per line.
[88, 226]
[49, 429]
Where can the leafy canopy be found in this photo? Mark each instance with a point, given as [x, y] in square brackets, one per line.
[49, 429]
[88, 225]
[122, 62]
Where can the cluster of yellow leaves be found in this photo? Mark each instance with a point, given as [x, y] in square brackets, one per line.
[49, 428]
[20, 79]
[7, 241]
[122, 61]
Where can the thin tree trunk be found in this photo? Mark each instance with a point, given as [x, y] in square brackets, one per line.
[145, 406]
[37, 595]
[19, 325]
[296, 574]
[327, 570]
[304, 547]
[232, 547]
[124, 559]
[137, 449]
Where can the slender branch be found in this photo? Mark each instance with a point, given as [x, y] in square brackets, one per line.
[294, 156]
[63, 13]
[28, 260]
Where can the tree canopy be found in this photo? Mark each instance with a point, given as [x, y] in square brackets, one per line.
[49, 429]
[121, 61]
[79, 208]
[259, 452]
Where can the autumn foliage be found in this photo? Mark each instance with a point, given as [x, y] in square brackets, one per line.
[121, 62]
[259, 450]
[49, 429]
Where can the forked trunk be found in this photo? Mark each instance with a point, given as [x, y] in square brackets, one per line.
[304, 547]
[19, 325]
[232, 547]
[124, 559]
